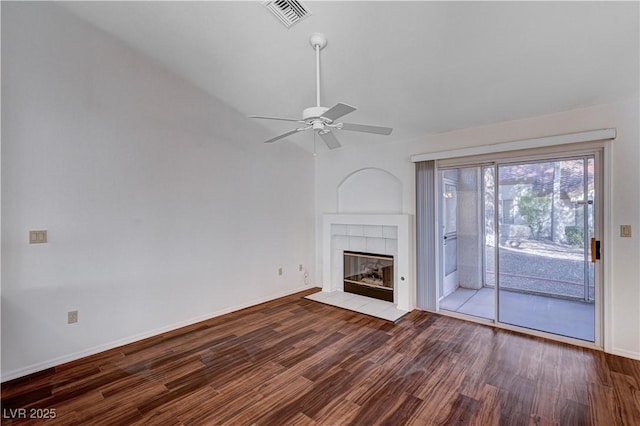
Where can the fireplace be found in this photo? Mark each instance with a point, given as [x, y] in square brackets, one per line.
[369, 274]
[387, 234]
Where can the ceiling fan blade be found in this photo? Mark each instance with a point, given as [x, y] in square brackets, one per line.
[282, 136]
[337, 111]
[367, 129]
[330, 139]
[276, 118]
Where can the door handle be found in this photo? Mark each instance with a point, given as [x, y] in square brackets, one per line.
[595, 250]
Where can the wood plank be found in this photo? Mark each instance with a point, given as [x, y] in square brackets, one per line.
[627, 397]
[295, 361]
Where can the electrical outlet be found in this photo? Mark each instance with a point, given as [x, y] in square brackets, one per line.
[37, 237]
[625, 231]
[72, 317]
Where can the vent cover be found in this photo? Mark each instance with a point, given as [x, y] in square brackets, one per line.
[288, 11]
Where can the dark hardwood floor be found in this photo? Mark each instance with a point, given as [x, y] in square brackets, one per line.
[295, 361]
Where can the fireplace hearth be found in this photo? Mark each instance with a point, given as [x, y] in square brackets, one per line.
[369, 274]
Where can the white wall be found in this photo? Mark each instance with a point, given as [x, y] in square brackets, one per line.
[370, 191]
[623, 327]
[162, 205]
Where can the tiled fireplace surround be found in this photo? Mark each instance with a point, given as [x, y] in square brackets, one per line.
[373, 233]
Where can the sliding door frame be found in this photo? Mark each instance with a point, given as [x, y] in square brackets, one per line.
[600, 151]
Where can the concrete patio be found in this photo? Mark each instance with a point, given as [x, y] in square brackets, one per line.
[550, 314]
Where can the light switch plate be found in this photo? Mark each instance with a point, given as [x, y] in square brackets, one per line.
[37, 237]
[625, 231]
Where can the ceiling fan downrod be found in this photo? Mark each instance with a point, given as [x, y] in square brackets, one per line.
[318, 42]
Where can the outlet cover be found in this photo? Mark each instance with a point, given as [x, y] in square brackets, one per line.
[37, 237]
[72, 317]
[625, 231]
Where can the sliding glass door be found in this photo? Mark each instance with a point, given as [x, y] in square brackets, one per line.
[546, 277]
[517, 243]
[466, 281]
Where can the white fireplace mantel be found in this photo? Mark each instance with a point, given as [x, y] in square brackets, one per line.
[405, 288]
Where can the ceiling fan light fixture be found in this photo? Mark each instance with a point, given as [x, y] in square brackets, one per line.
[289, 12]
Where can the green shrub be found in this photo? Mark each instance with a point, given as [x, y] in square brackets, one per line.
[536, 213]
[574, 235]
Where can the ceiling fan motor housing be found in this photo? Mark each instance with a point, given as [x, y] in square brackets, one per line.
[314, 112]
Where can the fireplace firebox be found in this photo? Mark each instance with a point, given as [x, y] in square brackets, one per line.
[369, 274]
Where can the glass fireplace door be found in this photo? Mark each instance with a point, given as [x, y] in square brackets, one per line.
[369, 274]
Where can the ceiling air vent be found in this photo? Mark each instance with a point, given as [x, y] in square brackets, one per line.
[288, 11]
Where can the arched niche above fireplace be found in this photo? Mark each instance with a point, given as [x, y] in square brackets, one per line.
[370, 190]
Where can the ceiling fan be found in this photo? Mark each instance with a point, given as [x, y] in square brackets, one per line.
[321, 119]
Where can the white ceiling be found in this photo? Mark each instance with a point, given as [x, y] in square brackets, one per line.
[419, 67]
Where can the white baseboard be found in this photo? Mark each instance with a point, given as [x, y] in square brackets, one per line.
[34, 368]
[625, 353]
